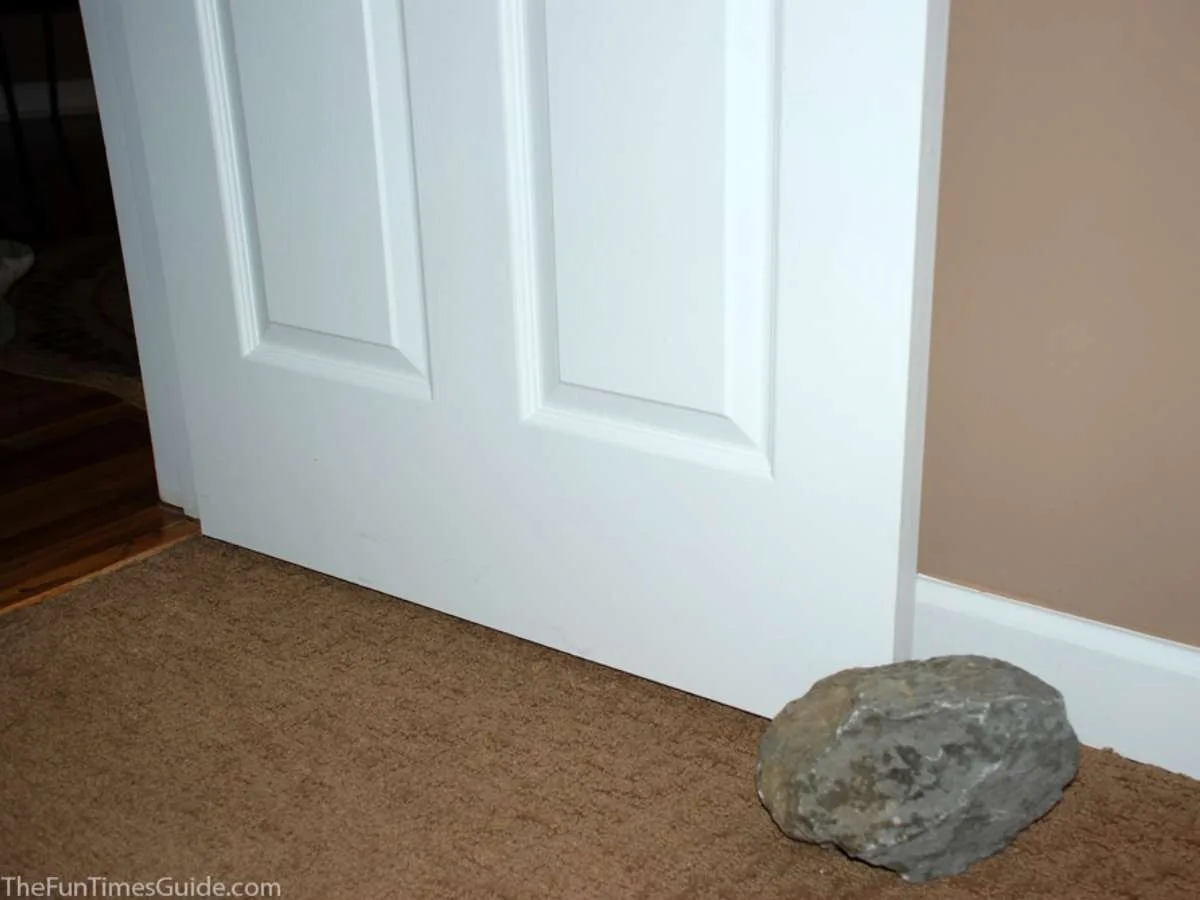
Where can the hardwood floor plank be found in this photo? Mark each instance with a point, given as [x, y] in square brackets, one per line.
[65, 428]
[52, 458]
[147, 520]
[78, 489]
[68, 530]
[44, 584]
[27, 404]
[66, 495]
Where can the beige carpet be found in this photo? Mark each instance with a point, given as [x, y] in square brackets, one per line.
[209, 712]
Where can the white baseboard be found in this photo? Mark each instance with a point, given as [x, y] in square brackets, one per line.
[75, 97]
[1133, 693]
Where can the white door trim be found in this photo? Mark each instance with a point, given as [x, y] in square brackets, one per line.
[123, 127]
[936, 53]
[1136, 694]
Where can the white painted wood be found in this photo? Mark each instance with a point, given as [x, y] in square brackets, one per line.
[920, 329]
[355, 272]
[646, 286]
[1134, 693]
[638, 167]
[664, 421]
[122, 128]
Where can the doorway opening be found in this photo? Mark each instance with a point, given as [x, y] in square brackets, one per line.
[78, 488]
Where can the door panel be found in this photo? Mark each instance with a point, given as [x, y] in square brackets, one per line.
[646, 229]
[597, 323]
[317, 113]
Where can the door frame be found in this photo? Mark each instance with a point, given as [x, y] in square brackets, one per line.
[123, 129]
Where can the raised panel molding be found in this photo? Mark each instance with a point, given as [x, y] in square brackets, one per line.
[280, 319]
[719, 412]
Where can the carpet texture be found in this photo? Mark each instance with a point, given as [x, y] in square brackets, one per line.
[210, 712]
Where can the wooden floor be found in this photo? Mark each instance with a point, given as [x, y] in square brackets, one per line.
[77, 487]
[78, 493]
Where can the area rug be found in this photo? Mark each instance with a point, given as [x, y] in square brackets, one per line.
[211, 714]
[71, 319]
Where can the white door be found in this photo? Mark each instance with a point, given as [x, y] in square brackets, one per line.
[599, 322]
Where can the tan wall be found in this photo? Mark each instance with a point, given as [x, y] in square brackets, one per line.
[1063, 450]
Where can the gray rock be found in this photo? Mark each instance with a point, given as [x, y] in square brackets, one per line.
[922, 767]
